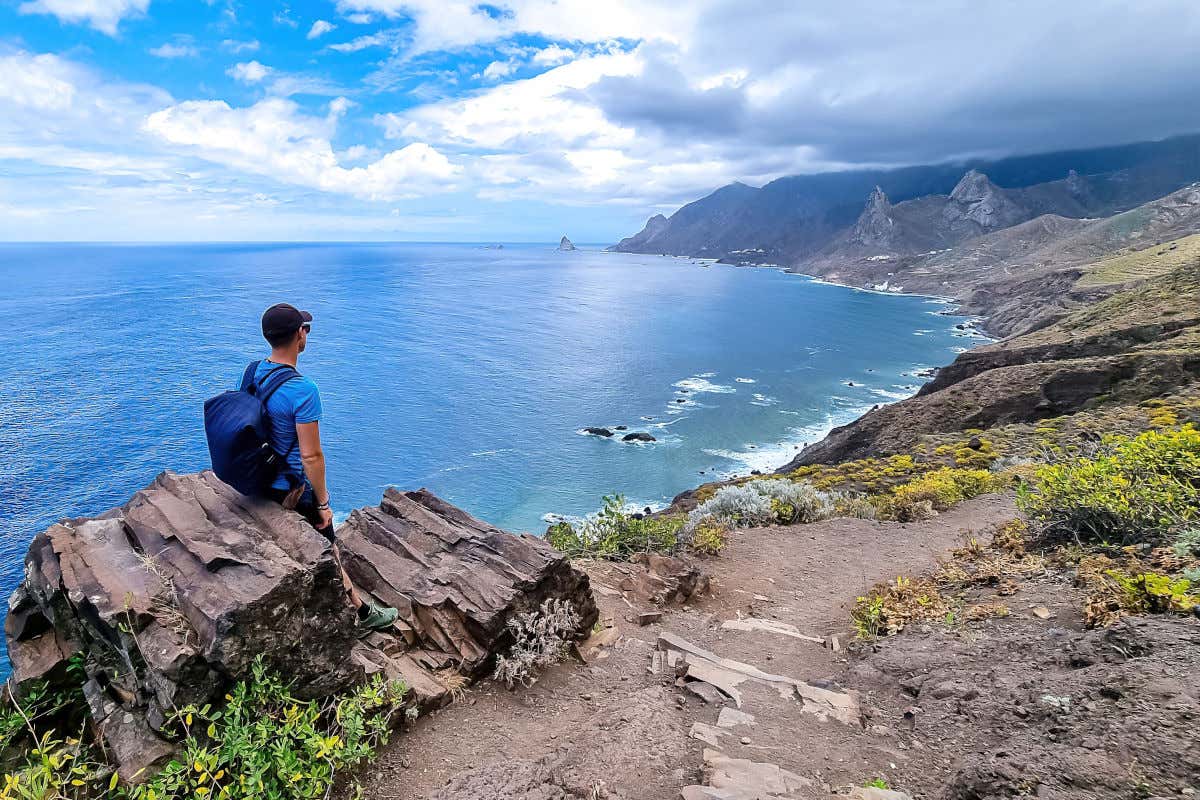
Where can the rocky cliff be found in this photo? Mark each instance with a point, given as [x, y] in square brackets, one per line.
[169, 599]
[1139, 343]
[794, 219]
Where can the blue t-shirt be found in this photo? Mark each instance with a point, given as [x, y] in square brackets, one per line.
[296, 402]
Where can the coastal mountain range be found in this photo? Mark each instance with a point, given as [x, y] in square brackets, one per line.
[991, 235]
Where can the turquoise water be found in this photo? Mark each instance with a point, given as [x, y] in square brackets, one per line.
[466, 370]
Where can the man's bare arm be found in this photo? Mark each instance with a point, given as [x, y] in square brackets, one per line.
[313, 458]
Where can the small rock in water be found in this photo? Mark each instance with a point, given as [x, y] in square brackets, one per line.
[638, 436]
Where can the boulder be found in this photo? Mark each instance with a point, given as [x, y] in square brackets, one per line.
[169, 600]
[594, 431]
[638, 436]
[456, 580]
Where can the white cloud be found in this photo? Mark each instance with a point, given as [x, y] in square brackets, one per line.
[554, 55]
[276, 139]
[545, 111]
[249, 72]
[63, 97]
[103, 15]
[377, 39]
[448, 24]
[174, 50]
[499, 69]
[237, 46]
[320, 28]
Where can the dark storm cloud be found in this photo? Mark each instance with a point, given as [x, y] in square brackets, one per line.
[892, 82]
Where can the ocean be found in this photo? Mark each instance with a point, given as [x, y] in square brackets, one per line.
[467, 370]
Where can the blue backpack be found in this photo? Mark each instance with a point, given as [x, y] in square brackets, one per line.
[238, 428]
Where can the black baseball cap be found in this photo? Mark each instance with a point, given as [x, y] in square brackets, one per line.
[282, 319]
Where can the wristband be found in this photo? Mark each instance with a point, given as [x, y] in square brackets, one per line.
[323, 506]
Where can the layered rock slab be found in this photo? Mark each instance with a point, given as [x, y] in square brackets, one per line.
[170, 599]
[455, 580]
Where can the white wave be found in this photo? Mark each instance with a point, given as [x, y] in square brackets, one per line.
[646, 419]
[700, 384]
[763, 400]
[707, 375]
[745, 380]
[479, 453]
[891, 395]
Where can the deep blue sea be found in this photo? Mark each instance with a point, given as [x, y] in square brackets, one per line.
[466, 370]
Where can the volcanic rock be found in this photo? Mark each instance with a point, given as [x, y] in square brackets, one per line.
[638, 436]
[172, 597]
[565, 244]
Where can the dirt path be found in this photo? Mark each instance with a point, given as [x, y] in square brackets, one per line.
[611, 729]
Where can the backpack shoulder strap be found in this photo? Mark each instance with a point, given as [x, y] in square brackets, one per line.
[280, 376]
[248, 375]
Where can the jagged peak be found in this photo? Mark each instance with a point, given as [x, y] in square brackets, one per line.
[973, 187]
[875, 226]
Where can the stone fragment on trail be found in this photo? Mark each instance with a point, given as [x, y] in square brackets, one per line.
[705, 691]
[172, 597]
[823, 702]
[593, 648]
[769, 626]
[664, 579]
[731, 717]
[707, 733]
[741, 779]
[726, 681]
[874, 793]
[1041, 612]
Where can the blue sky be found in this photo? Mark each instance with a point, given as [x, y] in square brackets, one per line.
[526, 119]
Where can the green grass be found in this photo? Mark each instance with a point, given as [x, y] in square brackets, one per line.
[1158, 259]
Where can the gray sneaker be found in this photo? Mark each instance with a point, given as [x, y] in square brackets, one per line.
[378, 618]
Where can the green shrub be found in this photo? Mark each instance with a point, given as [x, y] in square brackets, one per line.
[1136, 489]
[762, 502]
[709, 535]
[614, 533]
[1149, 592]
[853, 505]
[1187, 544]
[264, 743]
[937, 490]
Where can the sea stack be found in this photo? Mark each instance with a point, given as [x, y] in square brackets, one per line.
[565, 244]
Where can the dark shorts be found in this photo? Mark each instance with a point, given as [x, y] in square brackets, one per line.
[307, 508]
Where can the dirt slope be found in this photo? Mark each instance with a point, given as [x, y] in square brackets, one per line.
[610, 729]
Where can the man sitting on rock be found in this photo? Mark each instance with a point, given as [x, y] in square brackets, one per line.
[295, 413]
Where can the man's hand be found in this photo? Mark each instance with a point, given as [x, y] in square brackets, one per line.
[325, 515]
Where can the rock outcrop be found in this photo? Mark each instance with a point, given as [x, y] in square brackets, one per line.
[977, 199]
[565, 244]
[875, 226]
[170, 599]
